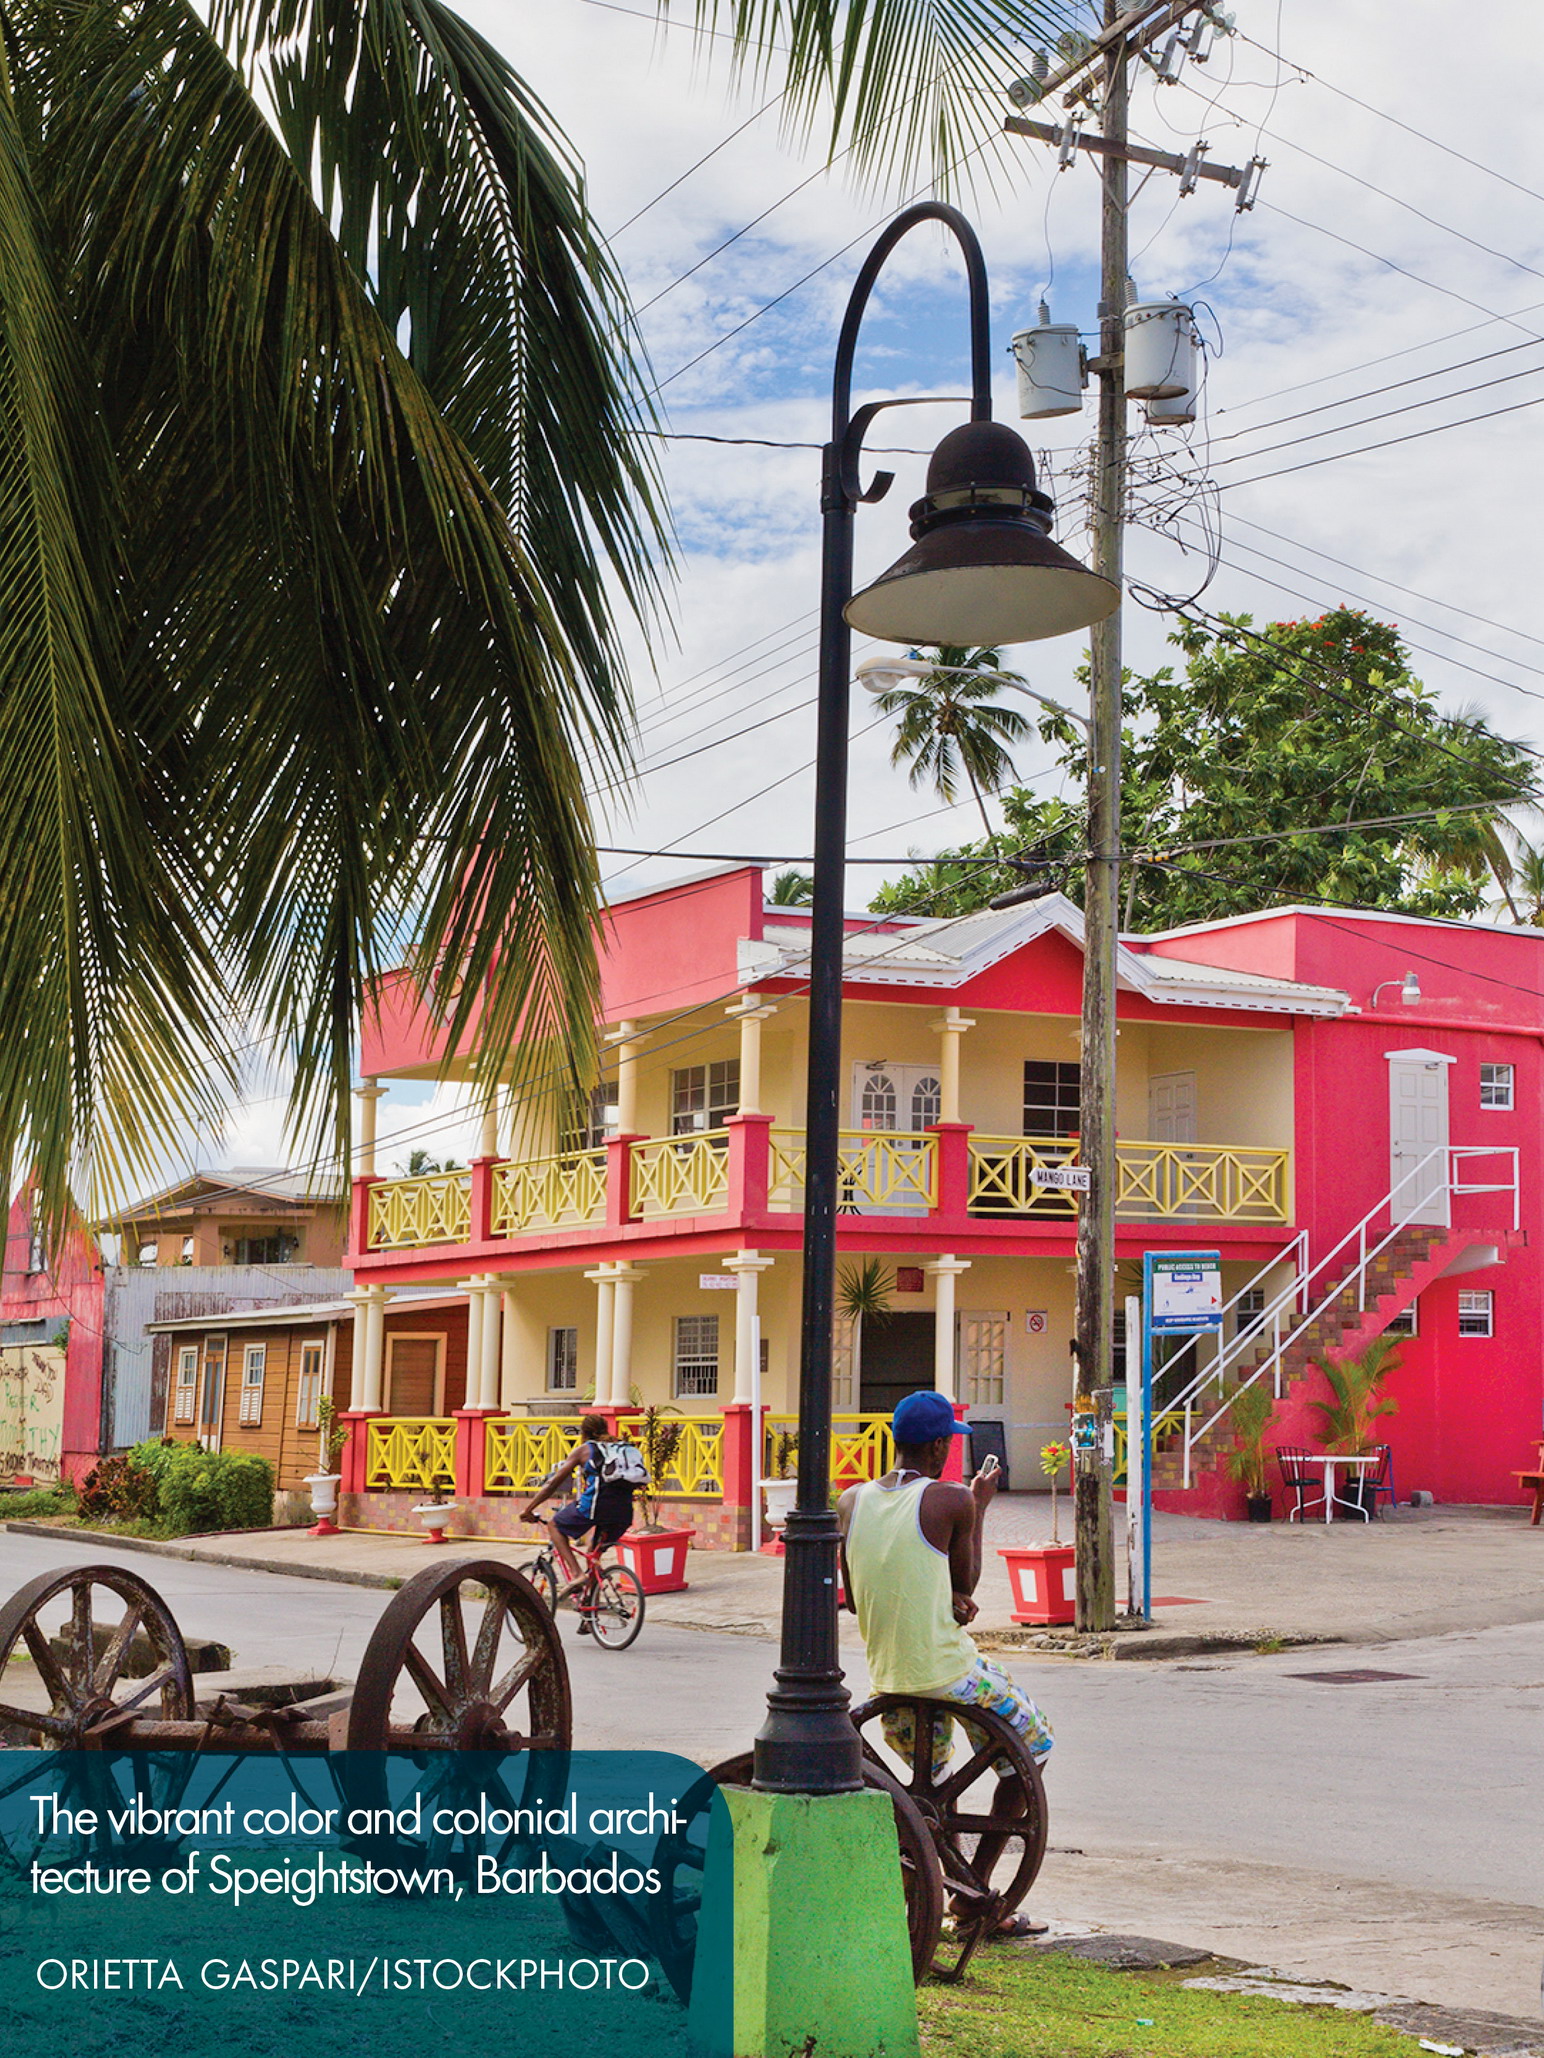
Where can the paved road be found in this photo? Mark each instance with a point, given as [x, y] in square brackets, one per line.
[1387, 1834]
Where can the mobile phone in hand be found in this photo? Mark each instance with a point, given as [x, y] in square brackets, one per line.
[989, 1466]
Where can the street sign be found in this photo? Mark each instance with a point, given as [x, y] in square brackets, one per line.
[1064, 1178]
[1184, 1292]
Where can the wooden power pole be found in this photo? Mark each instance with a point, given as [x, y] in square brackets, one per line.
[1093, 1529]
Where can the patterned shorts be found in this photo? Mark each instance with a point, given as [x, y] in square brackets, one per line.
[985, 1686]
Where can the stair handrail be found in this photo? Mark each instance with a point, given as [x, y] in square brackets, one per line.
[1449, 1185]
[1294, 1252]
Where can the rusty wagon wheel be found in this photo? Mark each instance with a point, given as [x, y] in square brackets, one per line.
[464, 1658]
[82, 1664]
[681, 1856]
[989, 1862]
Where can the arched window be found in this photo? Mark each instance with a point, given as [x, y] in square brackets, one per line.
[926, 1101]
[877, 1101]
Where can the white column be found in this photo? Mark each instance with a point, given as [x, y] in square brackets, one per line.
[372, 1373]
[509, 1349]
[605, 1314]
[472, 1288]
[747, 1267]
[945, 1271]
[951, 1028]
[490, 1339]
[623, 1279]
[750, 1011]
[624, 1043]
[367, 1093]
[488, 1137]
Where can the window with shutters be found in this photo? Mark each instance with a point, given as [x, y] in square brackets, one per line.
[562, 1361]
[844, 1385]
[254, 1365]
[696, 1355]
[308, 1388]
[983, 1348]
[185, 1391]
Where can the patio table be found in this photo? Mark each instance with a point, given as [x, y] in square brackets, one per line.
[1329, 1460]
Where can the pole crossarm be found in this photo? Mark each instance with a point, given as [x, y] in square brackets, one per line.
[1137, 27]
[1132, 153]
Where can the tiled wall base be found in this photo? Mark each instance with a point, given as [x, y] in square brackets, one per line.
[718, 1528]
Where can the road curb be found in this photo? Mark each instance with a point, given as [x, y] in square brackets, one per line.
[235, 1560]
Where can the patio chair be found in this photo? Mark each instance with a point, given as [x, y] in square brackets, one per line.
[1382, 1480]
[1299, 1481]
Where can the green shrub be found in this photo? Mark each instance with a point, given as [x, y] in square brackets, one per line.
[199, 1490]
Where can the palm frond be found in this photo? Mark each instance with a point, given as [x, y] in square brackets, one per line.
[910, 87]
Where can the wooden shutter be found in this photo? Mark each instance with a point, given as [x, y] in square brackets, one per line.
[412, 1375]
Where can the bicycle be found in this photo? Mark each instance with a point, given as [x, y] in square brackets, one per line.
[609, 1598]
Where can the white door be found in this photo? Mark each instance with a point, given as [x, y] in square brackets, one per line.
[1418, 1134]
[1171, 1107]
[891, 1098]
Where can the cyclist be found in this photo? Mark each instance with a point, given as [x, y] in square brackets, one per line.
[603, 1505]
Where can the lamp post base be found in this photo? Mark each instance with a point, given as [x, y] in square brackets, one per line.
[805, 1979]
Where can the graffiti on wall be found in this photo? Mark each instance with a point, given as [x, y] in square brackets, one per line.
[31, 1411]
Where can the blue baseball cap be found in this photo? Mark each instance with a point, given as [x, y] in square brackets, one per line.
[924, 1417]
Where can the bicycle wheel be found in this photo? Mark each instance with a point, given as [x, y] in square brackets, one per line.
[618, 1607]
[543, 1575]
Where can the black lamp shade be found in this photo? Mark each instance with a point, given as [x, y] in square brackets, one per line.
[982, 570]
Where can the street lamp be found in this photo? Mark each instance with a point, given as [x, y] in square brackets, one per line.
[982, 570]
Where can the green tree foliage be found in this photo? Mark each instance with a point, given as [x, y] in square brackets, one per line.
[1263, 735]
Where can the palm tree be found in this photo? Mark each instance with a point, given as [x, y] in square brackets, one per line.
[793, 889]
[324, 474]
[949, 726]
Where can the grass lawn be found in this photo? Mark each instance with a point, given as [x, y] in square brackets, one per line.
[1040, 2004]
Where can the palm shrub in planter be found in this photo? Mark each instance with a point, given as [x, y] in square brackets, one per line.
[1248, 1463]
[660, 1441]
[1356, 1405]
[654, 1552]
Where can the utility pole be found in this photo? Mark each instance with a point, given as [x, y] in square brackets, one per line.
[1092, 1526]
[1103, 66]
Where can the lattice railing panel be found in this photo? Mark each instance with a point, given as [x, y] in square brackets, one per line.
[405, 1213]
[410, 1451]
[549, 1193]
[521, 1453]
[891, 1169]
[681, 1175]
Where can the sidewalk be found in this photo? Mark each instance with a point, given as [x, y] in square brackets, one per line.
[1418, 1572]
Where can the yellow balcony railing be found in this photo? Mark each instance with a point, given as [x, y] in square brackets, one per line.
[681, 1175]
[519, 1453]
[405, 1213]
[880, 1171]
[861, 1447]
[1155, 1181]
[695, 1471]
[1211, 1181]
[549, 1193]
[1164, 1426]
[410, 1451]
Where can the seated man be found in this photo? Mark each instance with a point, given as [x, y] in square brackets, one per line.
[911, 1560]
[606, 1506]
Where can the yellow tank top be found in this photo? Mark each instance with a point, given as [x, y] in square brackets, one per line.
[903, 1595]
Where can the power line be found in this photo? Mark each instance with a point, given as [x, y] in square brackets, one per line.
[691, 170]
[1388, 443]
[1531, 371]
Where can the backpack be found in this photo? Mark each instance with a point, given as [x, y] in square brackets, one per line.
[621, 1464]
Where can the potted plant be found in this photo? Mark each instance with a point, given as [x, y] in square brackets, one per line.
[1247, 1464]
[654, 1552]
[1355, 1406]
[325, 1480]
[781, 1487]
[1042, 1575]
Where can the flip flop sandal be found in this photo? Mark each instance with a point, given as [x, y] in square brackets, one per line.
[1015, 1926]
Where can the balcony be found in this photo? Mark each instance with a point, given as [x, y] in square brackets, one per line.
[749, 1172]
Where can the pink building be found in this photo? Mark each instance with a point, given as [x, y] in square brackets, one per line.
[1288, 1094]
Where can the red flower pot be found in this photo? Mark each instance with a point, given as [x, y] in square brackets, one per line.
[1044, 1588]
[658, 1557]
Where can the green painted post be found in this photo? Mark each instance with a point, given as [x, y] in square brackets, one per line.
[820, 1954]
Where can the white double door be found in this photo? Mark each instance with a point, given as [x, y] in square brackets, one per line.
[895, 1098]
